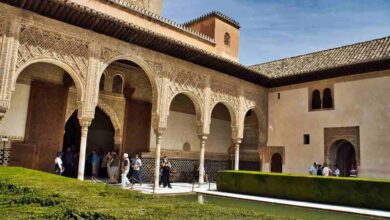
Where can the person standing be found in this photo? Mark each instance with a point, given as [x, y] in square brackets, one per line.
[68, 162]
[114, 166]
[95, 165]
[336, 170]
[313, 169]
[325, 170]
[137, 163]
[319, 170]
[58, 166]
[125, 168]
[166, 167]
[108, 159]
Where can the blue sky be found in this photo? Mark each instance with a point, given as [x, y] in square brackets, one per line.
[275, 29]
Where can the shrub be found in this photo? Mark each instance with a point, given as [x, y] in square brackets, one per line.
[358, 192]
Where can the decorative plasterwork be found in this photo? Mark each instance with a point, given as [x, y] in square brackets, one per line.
[2, 28]
[225, 92]
[107, 54]
[39, 43]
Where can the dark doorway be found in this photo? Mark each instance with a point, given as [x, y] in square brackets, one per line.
[100, 139]
[346, 158]
[276, 163]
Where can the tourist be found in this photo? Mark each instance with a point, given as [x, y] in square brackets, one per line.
[103, 165]
[326, 170]
[166, 167]
[108, 159]
[95, 160]
[125, 168]
[319, 170]
[313, 169]
[58, 166]
[136, 165]
[68, 162]
[336, 171]
[353, 172]
[114, 167]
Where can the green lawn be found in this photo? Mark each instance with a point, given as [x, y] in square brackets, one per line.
[29, 194]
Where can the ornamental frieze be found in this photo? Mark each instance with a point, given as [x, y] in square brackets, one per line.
[107, 54]
[183, 80]
[224, 91]
[38, 43]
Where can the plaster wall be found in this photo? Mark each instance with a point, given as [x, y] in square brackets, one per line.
[182, 128]
[361, 100]
[14, 121]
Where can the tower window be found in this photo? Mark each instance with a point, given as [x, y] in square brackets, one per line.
[327, 100]
[227, 39]
[316, 100]
[117, 84]
[306, 139]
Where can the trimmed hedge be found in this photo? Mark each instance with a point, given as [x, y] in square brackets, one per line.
[358, 192]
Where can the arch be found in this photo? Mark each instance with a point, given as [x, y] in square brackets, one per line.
[276, 163]
[195, 100]
[327, 99]
[261, 120]
[343, 153]
[150, 73]
[116, 83]
[230, 108]
[226, 39]
[316, 100]
[73, 74]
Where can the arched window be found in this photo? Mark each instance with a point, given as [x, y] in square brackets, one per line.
[227, 39]
[327, 100]
[102, 82]
[117, 84]
[316, 100]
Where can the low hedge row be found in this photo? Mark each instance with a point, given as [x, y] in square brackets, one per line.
[358, 192]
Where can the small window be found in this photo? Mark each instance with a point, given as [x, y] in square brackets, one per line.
[227, 39]
[117, 84]
[306, 139]
[102, 82]
[316, 100]
[327, 100]
[278, 95]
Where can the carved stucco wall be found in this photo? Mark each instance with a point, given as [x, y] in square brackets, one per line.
[81, 54]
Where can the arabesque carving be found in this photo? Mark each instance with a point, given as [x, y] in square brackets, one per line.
[224, 91]
[39, 43]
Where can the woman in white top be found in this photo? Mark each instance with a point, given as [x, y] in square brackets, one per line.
[58, 166]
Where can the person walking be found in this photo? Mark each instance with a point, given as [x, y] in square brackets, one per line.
[95, 160]
[166, 167]
[313, 169]
[58, 166]
[125, 168]
[137, 164]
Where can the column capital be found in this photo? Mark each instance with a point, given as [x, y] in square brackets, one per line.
[203, 137]
[85, 122]
[237, 141]
[159, 131]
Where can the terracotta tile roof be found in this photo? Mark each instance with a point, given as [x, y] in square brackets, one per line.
[363, 52]
[217, 14]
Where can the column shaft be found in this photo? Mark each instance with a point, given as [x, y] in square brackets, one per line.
[236, 155]
[157, 161]
[83, 149]
[201, 158]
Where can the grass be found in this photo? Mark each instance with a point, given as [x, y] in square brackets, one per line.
[30, 194]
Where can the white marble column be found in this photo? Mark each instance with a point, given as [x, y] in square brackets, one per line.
[203, 139]
[237, 154]
[83, 147]
[159, 134]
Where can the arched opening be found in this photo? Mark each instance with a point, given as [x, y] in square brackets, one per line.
[100, 139]
[102, 83]
[249, 157]
[343, 154]
[227, 39]
[129, 104]
[219, 151]
[181, 133]
[276, 163]
[117, 84]
[327, 100]
[37, 115]
[316, 100]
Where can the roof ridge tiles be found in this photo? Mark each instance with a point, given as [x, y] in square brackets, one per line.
[160, 18]
[214, 12]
